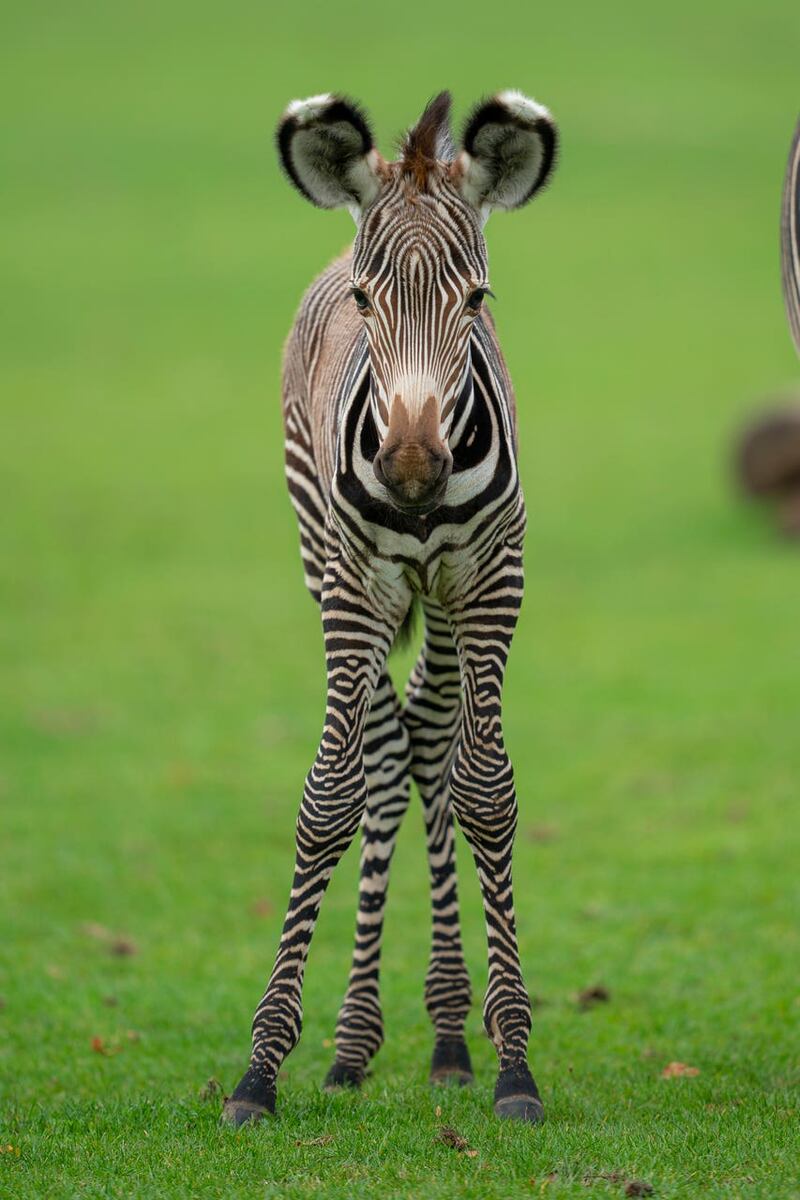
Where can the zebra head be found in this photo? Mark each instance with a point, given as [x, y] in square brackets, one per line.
[419, 264]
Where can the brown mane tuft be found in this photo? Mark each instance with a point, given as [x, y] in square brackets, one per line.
[429, 142]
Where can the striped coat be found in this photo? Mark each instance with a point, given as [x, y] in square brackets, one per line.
[401, 461]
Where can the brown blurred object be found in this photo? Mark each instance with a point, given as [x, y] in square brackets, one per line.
[767, 455]
[768, 463]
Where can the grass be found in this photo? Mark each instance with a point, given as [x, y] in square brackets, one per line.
[161, 677]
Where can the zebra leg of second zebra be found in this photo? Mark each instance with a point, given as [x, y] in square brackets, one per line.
[484, 799]
[387, 761]
[359, 629]
[432, 716]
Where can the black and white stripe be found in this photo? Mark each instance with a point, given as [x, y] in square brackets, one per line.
[414, 359]
[790, 238]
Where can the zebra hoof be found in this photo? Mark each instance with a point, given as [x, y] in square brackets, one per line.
[253, 1099]
[342, 1075]
[516, 1096]
[243, 1112]
[520, 1108]
[451, 1063]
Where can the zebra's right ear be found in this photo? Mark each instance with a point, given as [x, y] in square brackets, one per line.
[327, 151]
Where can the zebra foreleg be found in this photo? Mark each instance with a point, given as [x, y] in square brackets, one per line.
[387, 760]
[359, 629]
[432, 715]
[483, 795]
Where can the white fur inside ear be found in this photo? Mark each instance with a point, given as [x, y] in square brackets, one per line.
[507, 158]
[365, 181]
[329, 160]
[474, 183]
[523, 107]
[309, 109]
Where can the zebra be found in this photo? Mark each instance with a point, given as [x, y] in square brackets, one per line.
[401, 463]
[790, 238]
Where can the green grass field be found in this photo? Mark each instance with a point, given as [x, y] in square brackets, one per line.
[161, 674]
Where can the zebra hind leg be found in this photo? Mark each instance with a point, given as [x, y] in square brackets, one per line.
[387, 762]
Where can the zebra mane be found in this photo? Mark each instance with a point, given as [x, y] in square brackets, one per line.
[429, 142]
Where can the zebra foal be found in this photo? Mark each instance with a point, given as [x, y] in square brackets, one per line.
[401, 465]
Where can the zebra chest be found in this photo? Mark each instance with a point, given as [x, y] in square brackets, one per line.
[392, 563]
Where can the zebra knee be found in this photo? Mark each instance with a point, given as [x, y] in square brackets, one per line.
[334, 799]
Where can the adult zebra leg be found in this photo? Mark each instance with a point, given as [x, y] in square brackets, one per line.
[359, 629]
[387, 761]
[432, 716]
[482, 790]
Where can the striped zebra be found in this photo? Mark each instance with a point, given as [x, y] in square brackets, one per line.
[790, 238]
[402, 469]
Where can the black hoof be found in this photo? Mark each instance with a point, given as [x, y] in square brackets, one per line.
[342, 1075]
[253, 1099]
[243, 1112]
[520, 1108]
[451, 1062]
[516, 1096]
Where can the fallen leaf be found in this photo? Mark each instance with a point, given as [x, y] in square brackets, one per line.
[110, 1001]
[638, 1187]
[438, 1110]
[133, 1035]
[101, 1047]
[450, 1137]
[327, 1043]
[324, 1140]
[94, 930]
[737, 813]
[591, 996]
[262, 907]
[66, 721]
[180, 774]
[117, 943]
[607, 1176]
[123, 947]
[542, 833]
[674, 1069]
[212, 1087]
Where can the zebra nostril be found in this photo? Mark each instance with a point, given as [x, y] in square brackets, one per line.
[437, 466]
[378, 471]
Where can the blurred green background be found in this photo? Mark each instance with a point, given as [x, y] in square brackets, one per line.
[161, 671]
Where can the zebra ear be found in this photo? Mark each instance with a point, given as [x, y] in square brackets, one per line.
[326, 149]
[509, 151]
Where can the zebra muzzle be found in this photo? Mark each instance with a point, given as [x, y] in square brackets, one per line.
[415, 475]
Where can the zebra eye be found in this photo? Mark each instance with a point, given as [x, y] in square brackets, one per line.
[360, 298]
[475, 299]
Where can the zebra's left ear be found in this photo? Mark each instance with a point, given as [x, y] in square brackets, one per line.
[326, 148]
[509, 152]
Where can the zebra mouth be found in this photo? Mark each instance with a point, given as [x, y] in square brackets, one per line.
[422, 508]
